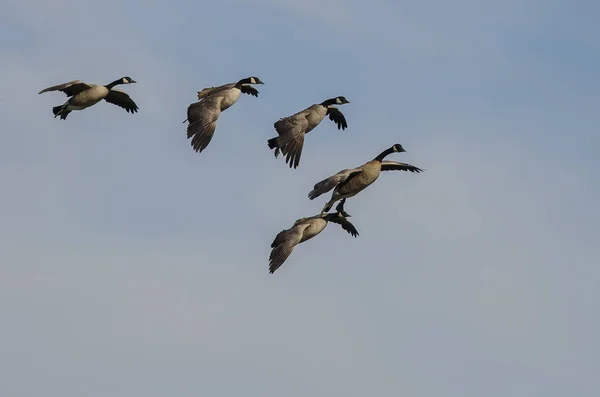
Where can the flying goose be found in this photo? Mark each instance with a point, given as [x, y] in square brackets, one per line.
[291, 129]
[203, 115]
[83, 95]
[305, 229]
[350, 182]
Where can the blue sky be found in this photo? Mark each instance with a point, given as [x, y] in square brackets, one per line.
[131, 265]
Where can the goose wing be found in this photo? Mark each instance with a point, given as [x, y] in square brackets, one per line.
[248, 89]
[210, 91]
[337, 117]
[205, 92]
[306, 219]
[284, 244]
[279, 255]
[396, 166]
[345, 224]
[291, 137]
[329, 183]
[70, 88]
[202, 118]
[121, 99]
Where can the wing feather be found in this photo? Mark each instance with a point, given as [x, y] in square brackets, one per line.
[202, 118]
[337, 117]
[290, 141]
[284, 244]
[279, 255]
[205, 92]
[121, 99]
[396, 166]
[210, 91]
[70, 88]
[329, 183]
[346, 225]
[201, 133]
[248, 89]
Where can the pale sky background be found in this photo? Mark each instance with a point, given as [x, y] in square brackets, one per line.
[132, 266]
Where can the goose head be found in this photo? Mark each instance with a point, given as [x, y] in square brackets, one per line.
[250, 80]
[398, 148]
[127, 80]
[340, 100]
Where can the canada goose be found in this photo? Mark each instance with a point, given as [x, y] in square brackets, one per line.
[203, 115]
[305, 229]
[83, 95]
[291, 130]
[350, 182]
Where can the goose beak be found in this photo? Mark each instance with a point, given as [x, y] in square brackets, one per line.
[133, 81]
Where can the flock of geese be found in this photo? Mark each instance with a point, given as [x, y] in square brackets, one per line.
[202, 119]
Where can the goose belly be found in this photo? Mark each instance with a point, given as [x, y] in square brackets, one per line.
[369, 174]
[230, 97]
[88, 97]
[315, 116]
[316, 226]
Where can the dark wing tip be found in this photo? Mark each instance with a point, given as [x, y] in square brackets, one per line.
[247, 89]
[337, 117]
[401, 167]
[351, 229]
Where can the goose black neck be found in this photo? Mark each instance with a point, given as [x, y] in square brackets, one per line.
[243, 81]
[329, 102]
[114, 83]
[384, 153]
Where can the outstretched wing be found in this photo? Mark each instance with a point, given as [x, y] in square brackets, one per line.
[291, 132]
[201, 133]
[71, 88]
[349, 227]
[284, 244]
[202, 118]
[327, 184]
[121, 99]
[208, 91]
[278, 255]
[248, 89]
[345, 224]
[396, 166]
[337, 117]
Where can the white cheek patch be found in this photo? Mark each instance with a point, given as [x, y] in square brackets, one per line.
[252, 81]
[124, 80]
[338, 101]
